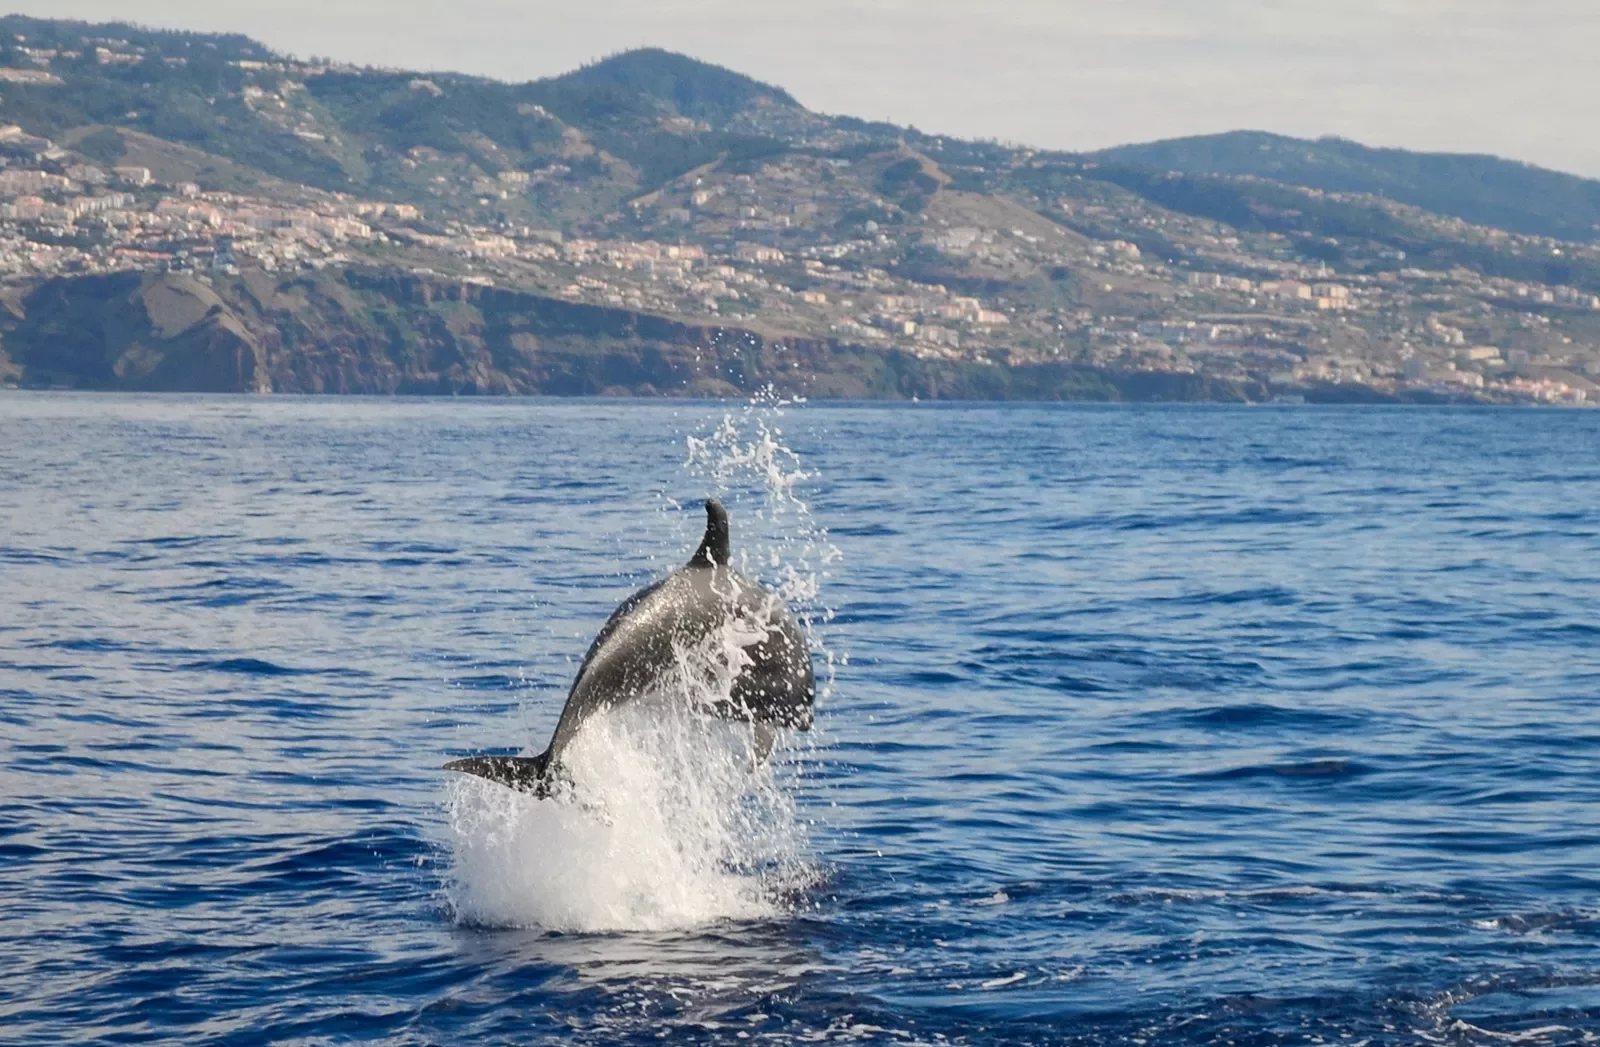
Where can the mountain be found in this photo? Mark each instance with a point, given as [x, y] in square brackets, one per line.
[692, 88]
[346, 128]
[1484, 190]
[190, 211]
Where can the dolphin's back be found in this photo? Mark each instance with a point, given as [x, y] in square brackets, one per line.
[647, 636]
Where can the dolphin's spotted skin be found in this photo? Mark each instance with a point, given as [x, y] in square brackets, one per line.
[642, 641]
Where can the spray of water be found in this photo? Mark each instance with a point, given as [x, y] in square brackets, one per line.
[668, 822]
[745, 461]
[669, 819]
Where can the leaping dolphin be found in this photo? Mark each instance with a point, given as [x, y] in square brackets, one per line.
[645, 638]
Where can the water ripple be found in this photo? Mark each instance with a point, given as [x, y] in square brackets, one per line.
[1165, 725]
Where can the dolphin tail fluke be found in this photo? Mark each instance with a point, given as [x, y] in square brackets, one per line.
[522, 773]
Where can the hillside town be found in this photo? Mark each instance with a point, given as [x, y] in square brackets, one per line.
[815, 245]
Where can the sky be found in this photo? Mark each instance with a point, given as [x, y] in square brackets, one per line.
[1518, 78]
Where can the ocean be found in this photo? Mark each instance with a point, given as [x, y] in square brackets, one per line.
[1158, 724]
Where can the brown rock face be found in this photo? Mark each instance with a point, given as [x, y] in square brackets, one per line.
[127, 331]
[369, 332]
[379, 332]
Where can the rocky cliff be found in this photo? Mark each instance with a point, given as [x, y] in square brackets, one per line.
[380, 332]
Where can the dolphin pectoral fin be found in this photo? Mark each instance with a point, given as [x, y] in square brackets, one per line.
[522, 773]
[765, 737]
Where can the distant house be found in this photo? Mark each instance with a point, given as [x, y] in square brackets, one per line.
[757, 253]
[15, 141]
[30, 76]
[1287, 289]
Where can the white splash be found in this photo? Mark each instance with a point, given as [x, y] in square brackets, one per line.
[671, 820]
[748, 465]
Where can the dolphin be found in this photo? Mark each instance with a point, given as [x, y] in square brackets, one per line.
[644, 640]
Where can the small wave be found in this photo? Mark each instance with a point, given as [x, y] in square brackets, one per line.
[87, 646]
[228, 591]
[1271, 596]
[1535, 922]
[246, 666]
[490, 682]
[187, 541]
[870, 530]
[240, 582]
[1519, 1009]
[14, 555]
[1263, 714]
[1322, 770]
[328, 861]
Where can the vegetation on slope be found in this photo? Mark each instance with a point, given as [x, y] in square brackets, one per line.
[1485, 190]
[690, 87]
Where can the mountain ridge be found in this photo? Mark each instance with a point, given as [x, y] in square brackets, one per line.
[1477, 187]
[694, 87]
[700, 89]
[652, 184]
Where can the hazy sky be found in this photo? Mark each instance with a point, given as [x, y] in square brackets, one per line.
[1521, 79]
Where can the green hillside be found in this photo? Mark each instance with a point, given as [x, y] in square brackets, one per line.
[349, 129]
[1485, 190]
[691, 88]
[671, 205]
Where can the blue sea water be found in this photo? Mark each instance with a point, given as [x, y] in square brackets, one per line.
[1147, 725]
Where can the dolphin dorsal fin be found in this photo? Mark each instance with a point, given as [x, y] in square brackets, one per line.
[713, 551]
